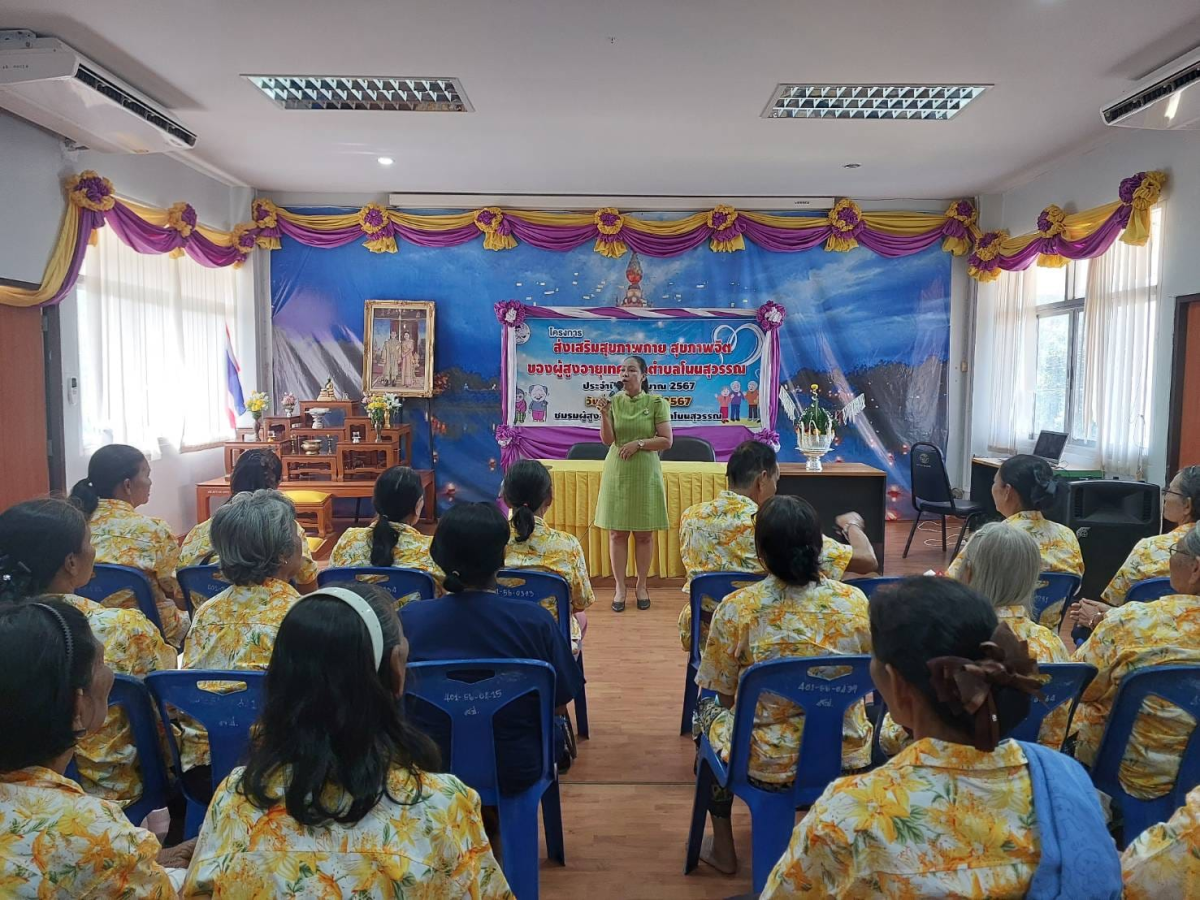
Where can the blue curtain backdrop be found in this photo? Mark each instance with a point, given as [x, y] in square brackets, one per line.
[854, 322]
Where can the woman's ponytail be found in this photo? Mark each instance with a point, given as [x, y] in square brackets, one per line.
[526, 489]
[85, 497]
[524, 523]
[396, 495]
[383, 541]
[1033, 480]
[109, 467]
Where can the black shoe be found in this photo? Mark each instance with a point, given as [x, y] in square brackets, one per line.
[618, 606]
[643, 602]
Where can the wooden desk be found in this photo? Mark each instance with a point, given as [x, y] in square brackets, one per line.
[983, 473]
[353, 490]
[839, 488]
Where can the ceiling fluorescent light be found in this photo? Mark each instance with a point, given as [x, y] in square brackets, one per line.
[363, 93]
[937, 102]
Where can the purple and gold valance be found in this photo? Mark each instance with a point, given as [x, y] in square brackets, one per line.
[1060, 236]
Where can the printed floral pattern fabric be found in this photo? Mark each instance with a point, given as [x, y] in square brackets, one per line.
[124, 537]
[939, 820]
[1163, 633]
[412, 552]
[718, 536]
[56, 841]
[1164, 861]
[234, 630]
[197, 550]
[425, 847]
[1149, 558]
[774, 620]
[107, 761]
[1059, 548]
[559, 553]
[1044, 646]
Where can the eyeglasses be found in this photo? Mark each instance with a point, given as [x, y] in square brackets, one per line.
[1181, 552]
[1167, 490]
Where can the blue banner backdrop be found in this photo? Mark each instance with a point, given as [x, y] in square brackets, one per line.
[856, 324]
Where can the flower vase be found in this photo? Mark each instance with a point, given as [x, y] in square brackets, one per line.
[258, 428]
[378, 426]
[289, 409]
[813, 444]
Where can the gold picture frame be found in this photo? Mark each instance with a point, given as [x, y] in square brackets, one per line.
[398, 347]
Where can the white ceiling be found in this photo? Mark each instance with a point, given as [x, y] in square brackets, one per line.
[657, 97]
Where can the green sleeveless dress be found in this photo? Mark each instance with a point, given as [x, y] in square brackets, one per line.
[632, 494]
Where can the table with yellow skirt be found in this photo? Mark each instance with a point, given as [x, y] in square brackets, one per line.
[840, 487]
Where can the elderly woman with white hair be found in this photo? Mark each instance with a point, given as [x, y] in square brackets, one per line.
[1004, 564]
[255, 537]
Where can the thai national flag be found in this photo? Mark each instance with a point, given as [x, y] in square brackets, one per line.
[235, 401]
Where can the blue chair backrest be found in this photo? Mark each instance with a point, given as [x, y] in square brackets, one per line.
[824, 687]
[717, 586]
[1149, 589]
[471, 692]
[401, 583]
[108, 579]
[226, 717]
[1179, 685]
[543, 588]
[1067, 683]
[870, 585]
[1052, 588]
[204, 580]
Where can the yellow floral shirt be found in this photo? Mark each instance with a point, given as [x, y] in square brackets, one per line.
[718, 536]
[124, 537]
[197, 550]
[234, 630]
[939, 820]
[1044, 646]
[425, 848]
[774, 620]
[56, 841]
[411, 552]
[1163, 633]
[107, 760]
[1164, 861]
[559, 553]
[1149, 558]
[1059, 548]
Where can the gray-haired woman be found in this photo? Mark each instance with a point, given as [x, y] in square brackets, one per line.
[255, 537]
[1004, 564]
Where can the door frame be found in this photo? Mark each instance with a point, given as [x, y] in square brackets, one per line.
[1183, 308]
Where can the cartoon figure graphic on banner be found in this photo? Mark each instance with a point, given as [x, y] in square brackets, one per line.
[539, 401]
[735, 401]
[520, 407]
[752, 400]
[723, 403]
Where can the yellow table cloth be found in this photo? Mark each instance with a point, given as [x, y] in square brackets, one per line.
[577, 485]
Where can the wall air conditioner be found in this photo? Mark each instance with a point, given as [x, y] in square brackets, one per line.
[52, 85]
[1168, 99]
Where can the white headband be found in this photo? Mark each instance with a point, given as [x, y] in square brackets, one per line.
[363, 608]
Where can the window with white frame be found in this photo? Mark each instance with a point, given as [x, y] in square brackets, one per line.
[152, 348]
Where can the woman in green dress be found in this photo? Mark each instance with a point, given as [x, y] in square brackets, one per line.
[635, 425]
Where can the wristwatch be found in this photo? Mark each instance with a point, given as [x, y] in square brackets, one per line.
[641, 445]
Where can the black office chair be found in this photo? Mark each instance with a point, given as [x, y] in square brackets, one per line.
[587, 450]
[931, 494]
[689, 449]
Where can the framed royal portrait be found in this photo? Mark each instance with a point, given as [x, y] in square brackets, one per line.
[398, 348]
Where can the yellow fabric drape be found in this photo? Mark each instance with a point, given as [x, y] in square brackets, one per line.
[56, 269]
[577, 486]
[903, 224]
[156, 216]
[796, 223]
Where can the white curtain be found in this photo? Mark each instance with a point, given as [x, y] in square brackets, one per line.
[152, 348]
[1120, 314]
[1013, 328]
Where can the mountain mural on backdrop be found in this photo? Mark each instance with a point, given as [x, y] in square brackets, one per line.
[856, 323]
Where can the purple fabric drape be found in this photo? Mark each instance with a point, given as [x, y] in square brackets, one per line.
[891, 246]
[1089, 247]
[89, 221]
[453, 238]
[140, 234]
[552, 237]
[324, 239]
[664, 245]
[783, 240]
[553, 441]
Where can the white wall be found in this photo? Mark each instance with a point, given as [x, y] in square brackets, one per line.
[1090, 179]
[32, 166]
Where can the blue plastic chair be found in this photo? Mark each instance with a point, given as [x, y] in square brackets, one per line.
[1054, 587]
[1067, 683]
[870, 585]
[824, 697]
[471, 692]
[226, 717]
[405, 585]
[108, 579]
[132, 697]
[204, 581]
[715, 586]
[535, 585]
[1179, 685]
[1149, 589]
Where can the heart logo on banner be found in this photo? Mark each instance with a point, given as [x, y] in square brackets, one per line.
[734, 335]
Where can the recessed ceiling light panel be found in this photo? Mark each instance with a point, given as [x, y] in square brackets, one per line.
[363, 93]
[937, 102]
